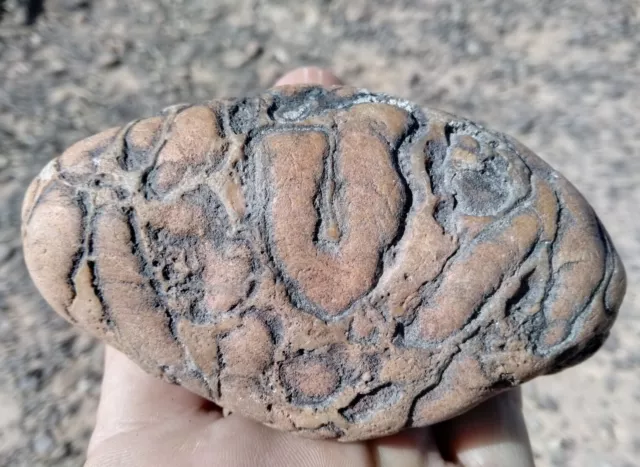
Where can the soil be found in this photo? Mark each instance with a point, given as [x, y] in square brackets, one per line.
[561, 76]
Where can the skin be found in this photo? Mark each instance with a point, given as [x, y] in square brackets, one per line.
[143, 421]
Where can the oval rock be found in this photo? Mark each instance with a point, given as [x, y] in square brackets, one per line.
[330, 261]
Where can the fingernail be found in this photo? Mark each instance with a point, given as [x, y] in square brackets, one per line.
[410, 448]
[309, 75]
[493, 434]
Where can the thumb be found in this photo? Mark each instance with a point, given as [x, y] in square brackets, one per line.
[309, 75]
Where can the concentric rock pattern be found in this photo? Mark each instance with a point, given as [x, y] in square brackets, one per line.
[330, 261]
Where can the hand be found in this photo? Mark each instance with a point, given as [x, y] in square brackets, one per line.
[144, 421]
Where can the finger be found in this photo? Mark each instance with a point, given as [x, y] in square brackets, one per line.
[131, 399]
[410, 448]
[494, 433]
[309, 75]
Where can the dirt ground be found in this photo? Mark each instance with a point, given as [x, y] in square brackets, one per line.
[562, 76]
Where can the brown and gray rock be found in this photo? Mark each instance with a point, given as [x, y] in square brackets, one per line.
[329, 261]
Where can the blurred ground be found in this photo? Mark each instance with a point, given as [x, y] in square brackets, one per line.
[562, 76]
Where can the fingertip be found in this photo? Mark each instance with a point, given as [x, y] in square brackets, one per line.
[410, 448]
[309, 75]
[492, 434]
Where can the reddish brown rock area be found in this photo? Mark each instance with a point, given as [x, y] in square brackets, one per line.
[328, 261]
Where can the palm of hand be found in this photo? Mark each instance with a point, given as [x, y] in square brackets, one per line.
[143, 422]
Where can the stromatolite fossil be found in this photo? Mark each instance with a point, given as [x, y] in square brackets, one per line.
[330, 261]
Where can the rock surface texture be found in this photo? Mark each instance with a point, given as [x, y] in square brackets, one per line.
[330, 261]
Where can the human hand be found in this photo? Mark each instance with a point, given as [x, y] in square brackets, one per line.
[143, 421]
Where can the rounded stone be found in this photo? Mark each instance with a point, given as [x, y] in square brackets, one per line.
[329, 261]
